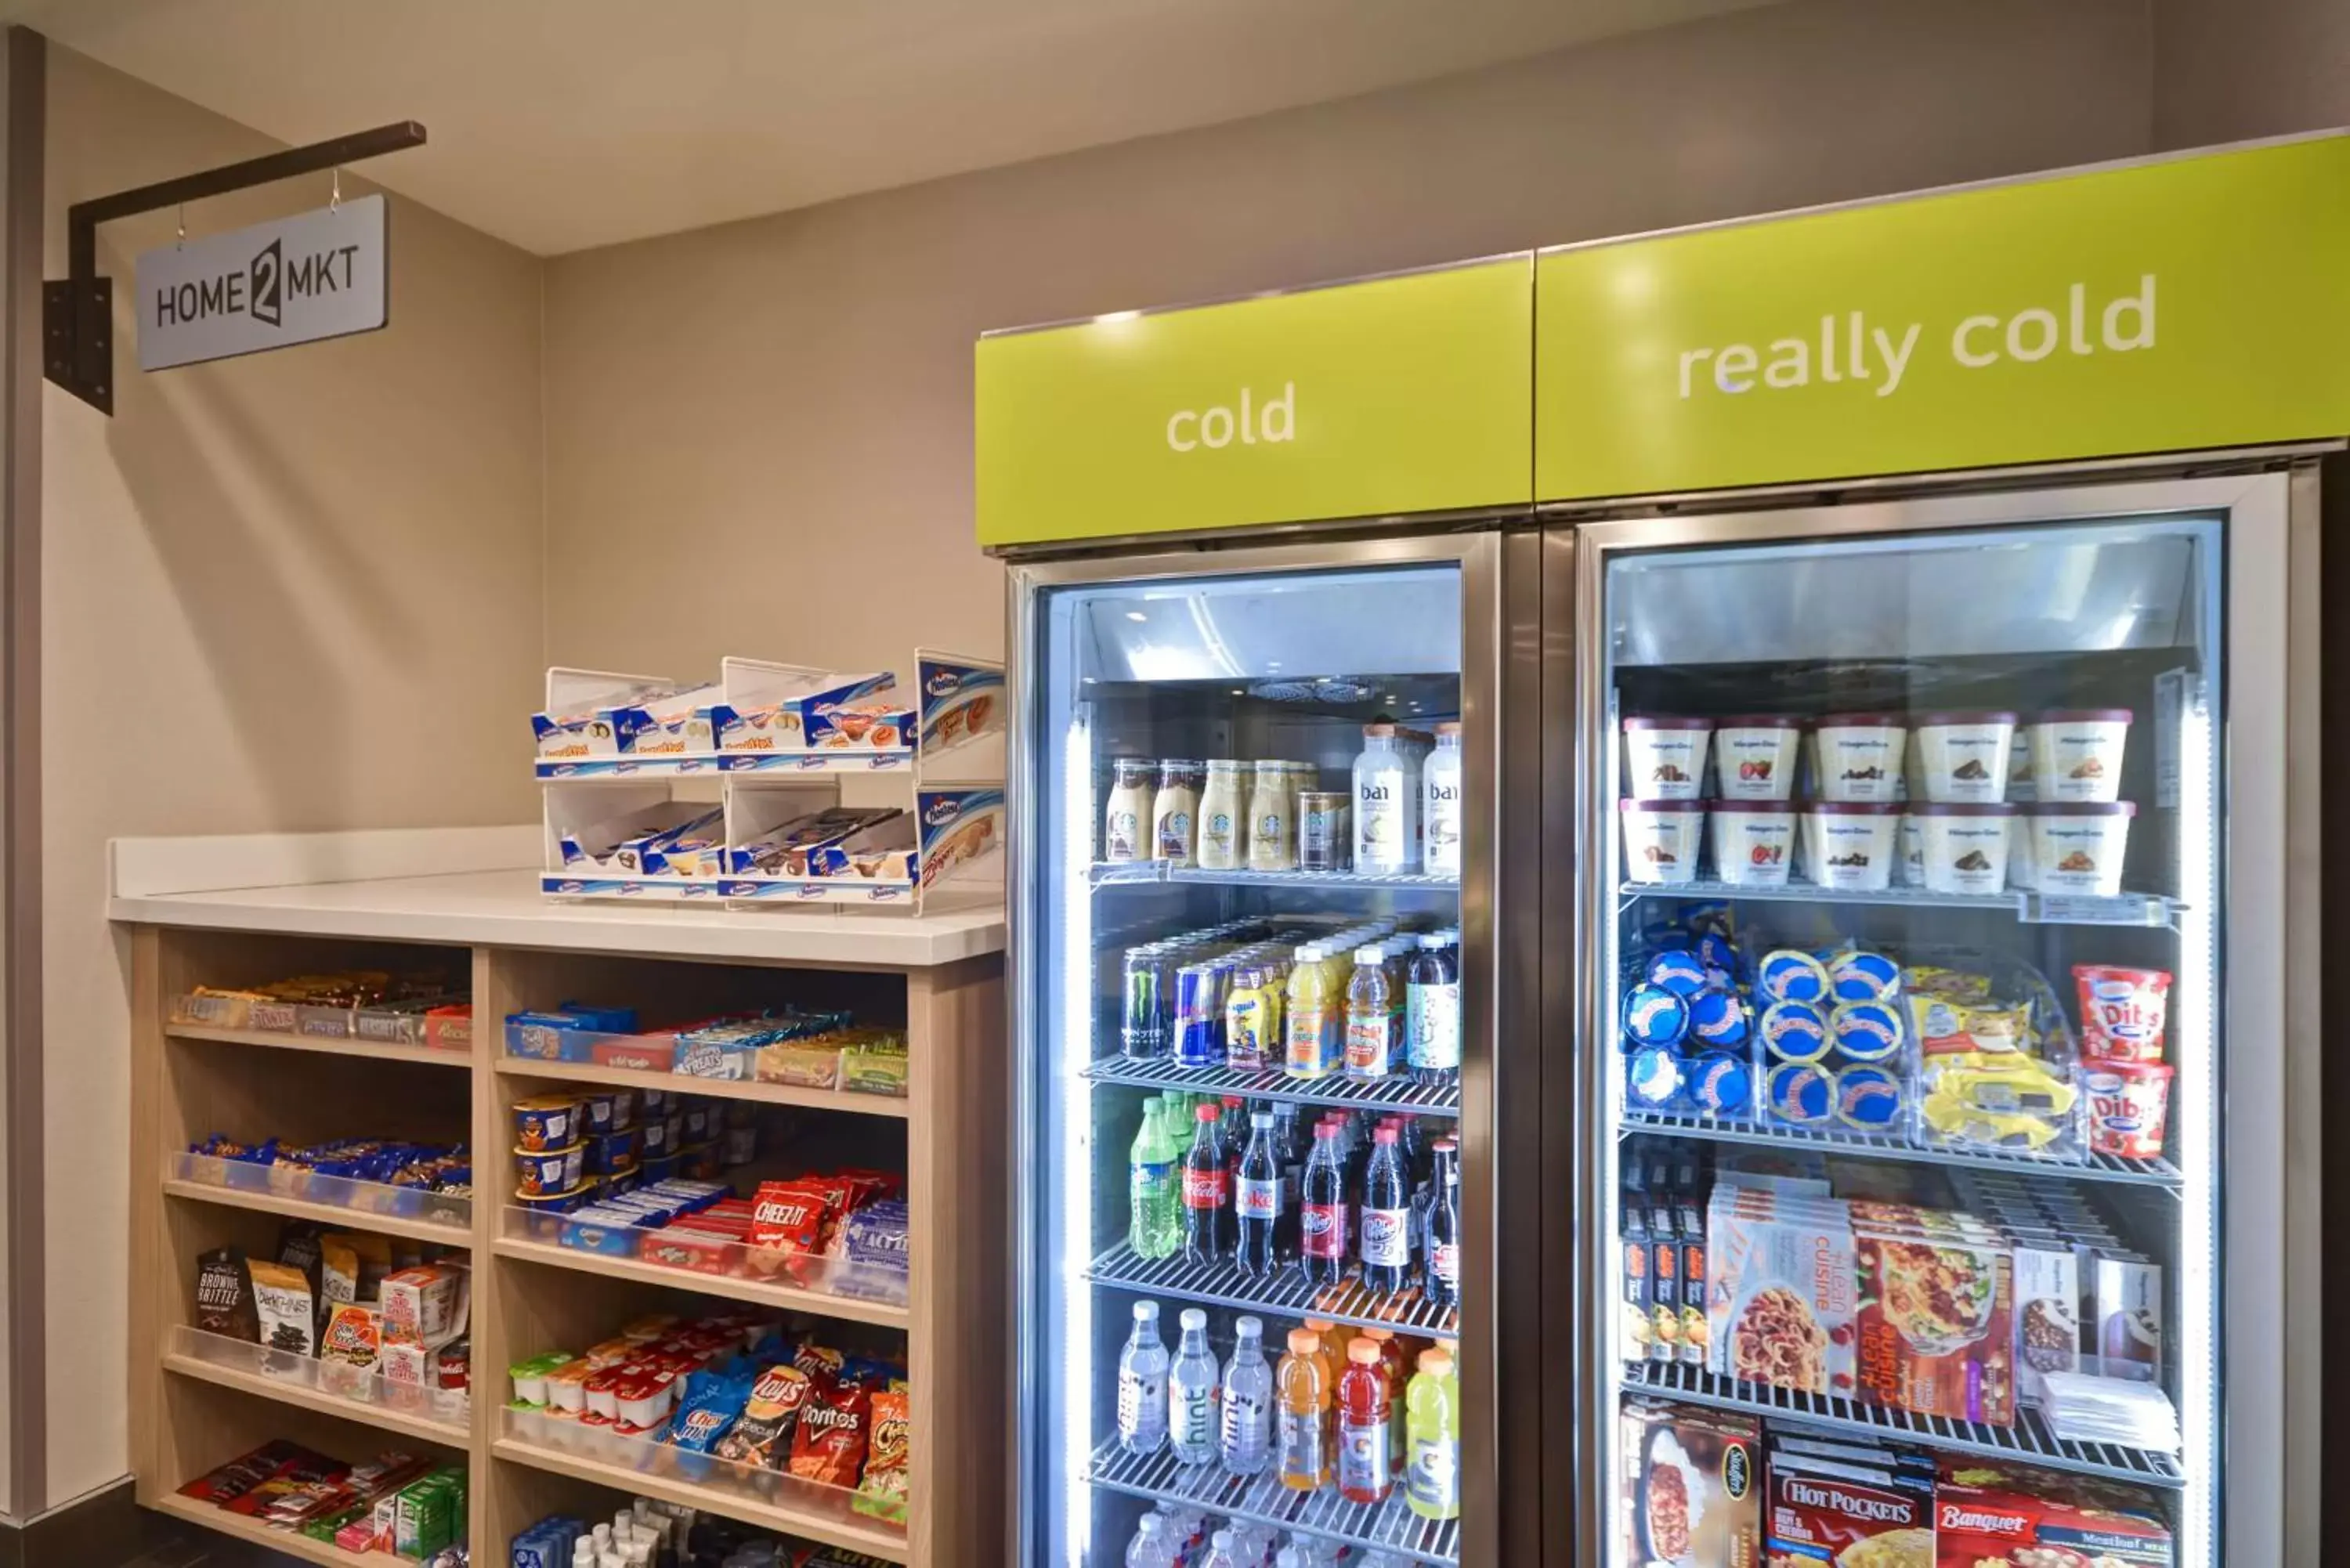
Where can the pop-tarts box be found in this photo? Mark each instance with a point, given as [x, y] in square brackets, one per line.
[962, 700]
[672, 723]
[783, 725]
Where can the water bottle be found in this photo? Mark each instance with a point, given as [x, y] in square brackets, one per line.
[1220, 1551]
[1151, 1548]
[1192, 1392]
[1246, 1440]
[1142, 1385]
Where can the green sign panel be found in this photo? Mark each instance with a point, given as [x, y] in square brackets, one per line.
[1395, 394]
[2200, 302]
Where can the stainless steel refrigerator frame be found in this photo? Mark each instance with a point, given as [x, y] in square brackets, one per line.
[2267, 1223]
[1500, 1191]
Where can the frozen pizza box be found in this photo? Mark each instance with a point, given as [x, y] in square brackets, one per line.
[1936, 1326]
[1823, 1510]
[1988, 1515]
[1691, 1489]
[1780, 1292]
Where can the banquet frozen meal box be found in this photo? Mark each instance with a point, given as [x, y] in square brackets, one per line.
[1936, 1324]
[1691, 1491]
[1993, 1516]
[1778, 1290]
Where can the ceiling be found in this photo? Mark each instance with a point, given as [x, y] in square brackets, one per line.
[562, 124]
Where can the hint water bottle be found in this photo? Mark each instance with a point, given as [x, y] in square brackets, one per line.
[1191, 1391]
[1142, 1385]
[1246, 1442]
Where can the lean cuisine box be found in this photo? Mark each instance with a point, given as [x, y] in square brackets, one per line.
[1691, 1491]
[1935, 1318]
[1779, 1289]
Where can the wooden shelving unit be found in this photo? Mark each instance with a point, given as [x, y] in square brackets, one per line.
[190, 1413]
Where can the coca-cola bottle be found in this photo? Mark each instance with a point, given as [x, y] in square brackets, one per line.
[1322, 1211]
[1387, 1218]
[1207, 1200]
[1257, 1204]
[1441, 1284]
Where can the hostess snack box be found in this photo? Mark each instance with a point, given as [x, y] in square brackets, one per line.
[958, 825]
[1690, 1495]
[647, 721]
[873, 724]
[1779, 1292]
[661, 839]
[885, 851]
[962, 700]
[772, 709]
[790, 849]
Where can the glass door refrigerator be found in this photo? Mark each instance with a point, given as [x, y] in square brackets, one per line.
[1253, 945]
[1930, 1029]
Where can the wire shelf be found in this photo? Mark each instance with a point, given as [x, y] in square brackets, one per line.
[2091, 1168]
[1386, 1094]
[2034, 908]
[1109, 874]
[1288, 1292]
[2029, 1439]
[1389, 1526]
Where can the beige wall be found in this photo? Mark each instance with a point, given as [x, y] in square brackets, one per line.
[295, 591]
[2226, 70]
[759, 435]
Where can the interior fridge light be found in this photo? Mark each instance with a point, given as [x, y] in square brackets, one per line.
[1076, 1017]
[2195, 1018]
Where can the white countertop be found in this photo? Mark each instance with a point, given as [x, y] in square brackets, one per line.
[502, 906]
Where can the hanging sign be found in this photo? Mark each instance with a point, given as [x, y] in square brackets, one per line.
[297, 280]
[1400, 394]
[2192, 303]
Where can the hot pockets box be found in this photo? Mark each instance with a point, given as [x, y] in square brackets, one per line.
[1877, 1513]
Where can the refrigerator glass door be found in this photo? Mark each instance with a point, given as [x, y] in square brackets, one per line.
[1239, 925]
[1902, 1033]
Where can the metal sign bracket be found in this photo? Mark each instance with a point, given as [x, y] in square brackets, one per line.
[77, 314]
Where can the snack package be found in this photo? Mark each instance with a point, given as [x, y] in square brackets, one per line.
[787, 1226]
[232, 1480]
[348, 1350]
[225, 1297]
[882, 1492]
[285, 1308]
[425, 1305]
[763, 1434]
[829, 1446]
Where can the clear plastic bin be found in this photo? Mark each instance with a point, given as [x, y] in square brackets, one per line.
[749, 1484]
[450, 1209]
[710, 1257]
[334, 1379]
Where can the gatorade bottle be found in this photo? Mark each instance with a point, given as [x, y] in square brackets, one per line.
[1304, 1426]
[1322, 1211]
[1395, 1366]
[1333, 1361]
[1365, 1474]
[1431, 1478]
[1206, 1200]
[1152, 1187]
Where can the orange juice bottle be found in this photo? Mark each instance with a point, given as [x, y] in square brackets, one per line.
[1303, 1393]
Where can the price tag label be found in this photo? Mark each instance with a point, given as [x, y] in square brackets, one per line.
[2089, 909]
